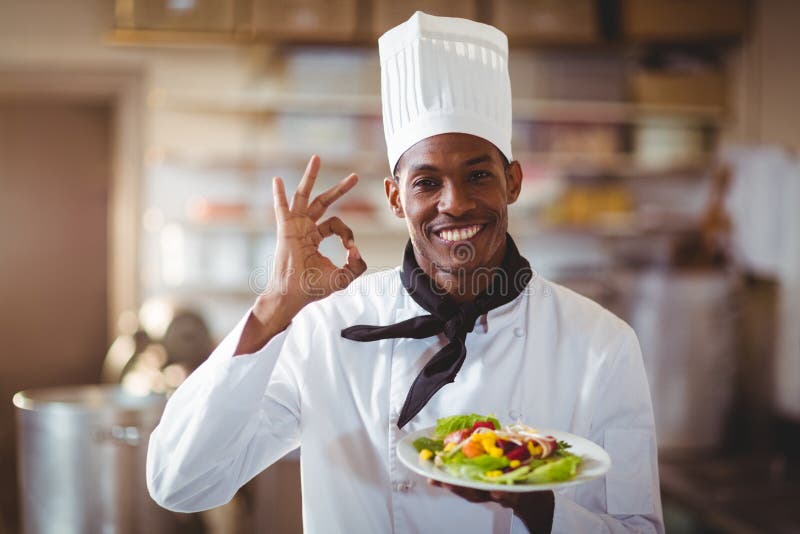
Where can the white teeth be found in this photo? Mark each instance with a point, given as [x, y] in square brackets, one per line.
[460, 234]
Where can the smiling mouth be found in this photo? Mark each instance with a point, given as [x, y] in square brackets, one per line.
[462, 233]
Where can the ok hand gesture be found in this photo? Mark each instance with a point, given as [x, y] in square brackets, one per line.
[300, 273]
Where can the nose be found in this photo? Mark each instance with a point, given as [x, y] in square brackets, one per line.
[455, 199]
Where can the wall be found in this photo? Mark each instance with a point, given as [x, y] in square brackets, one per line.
[767, 80]
[766, 91]
[48, 36]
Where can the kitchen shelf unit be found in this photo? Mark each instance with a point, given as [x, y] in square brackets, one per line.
[267, 105]
[525, 109]
[621, 164]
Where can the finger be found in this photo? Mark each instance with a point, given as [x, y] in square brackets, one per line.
[334, 225]
[503, 497]
[300, 198]
[469, 494]
[354, 267]
[324, 200]
[472, 495]
[279, 199]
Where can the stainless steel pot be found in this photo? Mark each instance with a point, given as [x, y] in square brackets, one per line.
[82, 452]
[685, 321]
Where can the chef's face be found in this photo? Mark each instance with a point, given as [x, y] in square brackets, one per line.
[454, 190]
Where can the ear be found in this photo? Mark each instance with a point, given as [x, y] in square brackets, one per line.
[513, 181]
[392, 188]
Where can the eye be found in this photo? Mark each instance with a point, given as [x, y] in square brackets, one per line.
[424, 182]
[480, 175]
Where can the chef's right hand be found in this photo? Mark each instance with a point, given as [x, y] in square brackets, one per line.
[301, 274]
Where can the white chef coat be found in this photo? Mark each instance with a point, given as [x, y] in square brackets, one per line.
[550, 357]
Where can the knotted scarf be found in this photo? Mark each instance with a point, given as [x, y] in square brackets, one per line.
[446, 316]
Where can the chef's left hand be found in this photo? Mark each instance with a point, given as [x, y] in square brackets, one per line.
[534, 508]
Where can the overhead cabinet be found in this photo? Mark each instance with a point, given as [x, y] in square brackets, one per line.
[357, 22]
[547, 21]
[311, 20]
[180, 15]
[676, 20]
[387, 14]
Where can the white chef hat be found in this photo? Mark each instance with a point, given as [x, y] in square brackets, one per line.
[442, 75]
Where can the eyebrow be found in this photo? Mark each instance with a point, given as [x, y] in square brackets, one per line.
[423, 167]
[430, 168]
[480, 159]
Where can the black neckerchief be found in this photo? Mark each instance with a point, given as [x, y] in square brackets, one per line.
[446, 316]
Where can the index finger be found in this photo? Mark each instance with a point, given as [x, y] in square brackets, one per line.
[325, 199]
[301, 196]
[279, 199]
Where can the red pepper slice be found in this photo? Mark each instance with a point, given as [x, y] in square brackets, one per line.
[506, 445]
[520, 453]
[483, 424]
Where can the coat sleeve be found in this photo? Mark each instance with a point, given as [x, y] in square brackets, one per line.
[230, 419]
[627, 499]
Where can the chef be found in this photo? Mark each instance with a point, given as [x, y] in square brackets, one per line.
[346, 365]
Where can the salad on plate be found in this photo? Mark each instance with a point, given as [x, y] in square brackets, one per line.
[479, 448]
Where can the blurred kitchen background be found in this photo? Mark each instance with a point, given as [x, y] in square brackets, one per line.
[659, 141]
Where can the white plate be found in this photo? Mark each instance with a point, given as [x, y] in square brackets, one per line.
[595, 463]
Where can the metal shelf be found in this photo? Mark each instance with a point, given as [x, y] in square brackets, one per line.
[375, 163]
[266, 161]
[525, 109]
[175, 38]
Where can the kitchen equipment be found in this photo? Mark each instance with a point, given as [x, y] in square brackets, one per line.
[82, 452]
[685, 320]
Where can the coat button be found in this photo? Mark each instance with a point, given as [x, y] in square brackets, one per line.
[519, 331]
[404, 486]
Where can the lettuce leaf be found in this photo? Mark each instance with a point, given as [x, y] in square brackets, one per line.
[459, 465]
[453, 457]
[471, 472]
[486, 462]
[509, 478]
[446, 425]
[556, 470]
[432, 445]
